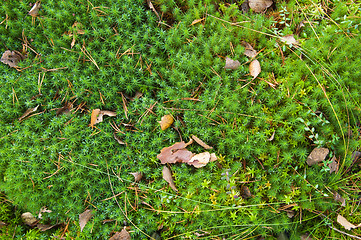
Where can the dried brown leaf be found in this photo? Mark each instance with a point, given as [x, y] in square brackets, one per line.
[249, 51]
[200, 142]
[43, 210]
[272, 137]
[28, 112]
[97, 116]
[84, 218]
[2, 224]
[213, 157]
[340, 199]
[333, 165]
[167, 175]
[12, 58]
[197, 21]
[123, 235]
[259, 6]
[45, 227]
[245, 192]
[65, 109]
[232, 64]
[166, 121]
[34, 11]
[346, 224]
[29, 219]
[137, 176]
[317, 155]
[289, 39]
[254, 68]
[118, 139]
[175, 153]
[200, 160]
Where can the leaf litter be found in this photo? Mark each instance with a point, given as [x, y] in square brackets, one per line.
[97, 116]
[345, 223]
[166, 121]
[254, 68]
[259, 6]
[232, 64]
[12, 58]
[167, 175]
[84, 218]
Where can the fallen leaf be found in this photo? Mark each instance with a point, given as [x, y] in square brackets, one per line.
[200, 142]
[123, 235]
[333, 165]
[306, 236]
[213, 157]
[272, 137]
[97, 116]
[197, 21]
[45, 227]
[290, 213]
[175, 153]
[346, 224]
[29, 219]
[35, 9]
[245, 192]
[200, 160]
[137, 176]
[28, 112]
[289, 39]
[43, 210]
[166, 121]
[232, 64]
[249, 51]
[152, 8]
[65, 109]
[254, 68]
[245, 6]
[118, 139]
[259, 6]
[317, 155]
[2, 224]
[84, 218]
[12, 58]
[340, 199]
[167, 175]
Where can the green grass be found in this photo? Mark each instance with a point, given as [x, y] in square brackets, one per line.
[308, 95]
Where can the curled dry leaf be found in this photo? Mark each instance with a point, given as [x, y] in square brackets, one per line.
[29, 219]
[197, 21]
[289, 39]
[84, 218]
[137, 176]
[232, 64]
[254, 68]
[346, 224]
[167, 175]
[28, 112]
[333, 165]
[175, 153]
[65, 109]
[200, 142]
[200, 160]
[12, 58]
[2, 224]
[34, 11]
[166, 121]
[123, 235]
[43, 210]
[317, 155]
[259, 6]
[118, 139]
[272, 137]
[340, 199]
[97, 116]
[249, 51]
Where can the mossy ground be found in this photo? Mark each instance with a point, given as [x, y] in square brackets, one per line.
[100, 54]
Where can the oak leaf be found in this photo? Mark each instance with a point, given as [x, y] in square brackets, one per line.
[167, 175]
